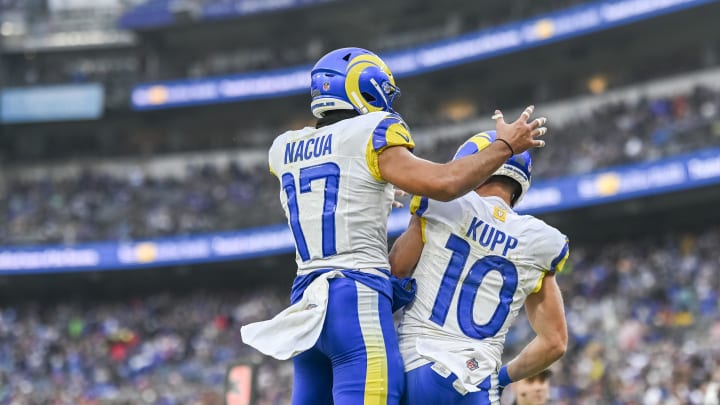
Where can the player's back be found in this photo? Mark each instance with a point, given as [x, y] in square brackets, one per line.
[331, 190]
[480, 262]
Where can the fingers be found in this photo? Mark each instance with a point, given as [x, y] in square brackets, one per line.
[538, 122]
[399, 194]
[539, 131]
[527, 113]
[517, 132]
[498, 116]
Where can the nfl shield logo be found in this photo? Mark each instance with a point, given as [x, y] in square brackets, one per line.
[326, 86]
[472, 364]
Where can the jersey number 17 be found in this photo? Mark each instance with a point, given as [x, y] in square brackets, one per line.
[331, 173]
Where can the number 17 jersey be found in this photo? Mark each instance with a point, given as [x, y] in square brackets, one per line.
[479, 263]
[333, 194]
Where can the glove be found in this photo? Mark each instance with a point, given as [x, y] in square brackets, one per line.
[403, 291]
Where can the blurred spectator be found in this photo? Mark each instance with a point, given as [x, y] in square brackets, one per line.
[163, 349]
[534, 390]
[101, 207]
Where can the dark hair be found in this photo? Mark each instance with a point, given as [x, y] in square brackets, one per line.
[516, 187]
[543, 375]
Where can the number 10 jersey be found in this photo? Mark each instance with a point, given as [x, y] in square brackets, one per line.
[480, 262]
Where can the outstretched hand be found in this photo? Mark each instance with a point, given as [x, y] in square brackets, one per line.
[521, 135]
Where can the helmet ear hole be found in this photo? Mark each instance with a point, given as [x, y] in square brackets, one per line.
[346, 58]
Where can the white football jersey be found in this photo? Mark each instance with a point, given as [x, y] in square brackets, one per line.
[333, 194]
[480, 262]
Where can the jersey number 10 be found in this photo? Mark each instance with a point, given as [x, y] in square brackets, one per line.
[331, 173]
[469, 289]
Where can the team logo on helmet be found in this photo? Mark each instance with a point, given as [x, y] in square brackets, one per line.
[355, 79]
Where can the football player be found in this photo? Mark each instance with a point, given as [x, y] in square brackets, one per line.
[477, 263]
[336, 187]
[533, 390]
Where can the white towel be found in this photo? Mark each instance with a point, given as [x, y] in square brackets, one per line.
[470, 364]
[295, 329]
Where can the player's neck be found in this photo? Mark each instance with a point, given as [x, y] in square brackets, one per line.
[334, 116]
[495, 189]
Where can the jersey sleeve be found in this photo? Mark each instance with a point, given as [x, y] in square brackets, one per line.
[552, 250]
[558, 263]
[549, 248]
[437, 211]
[390, 131]
[272, 154]
[272, 171]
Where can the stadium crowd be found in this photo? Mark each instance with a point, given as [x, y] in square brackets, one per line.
[160, 349]
[94, 207]
[99, 206]
[642, 316]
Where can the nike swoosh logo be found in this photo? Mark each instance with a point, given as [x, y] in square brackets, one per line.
[406, 138]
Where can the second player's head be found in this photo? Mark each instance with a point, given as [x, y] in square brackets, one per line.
[351, 79]
[533, 390]
[517, 168]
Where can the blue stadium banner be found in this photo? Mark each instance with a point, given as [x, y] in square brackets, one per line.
[214, 247]
[507, 38]
[181, 93]
[621, 183]
[51, 103]
[676, 173]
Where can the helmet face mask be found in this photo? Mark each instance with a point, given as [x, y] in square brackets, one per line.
[518, 167]
[352, 79]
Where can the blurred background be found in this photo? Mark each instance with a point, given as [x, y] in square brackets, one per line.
[139, 226]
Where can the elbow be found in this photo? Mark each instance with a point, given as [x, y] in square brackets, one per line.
[396, 268]
[401, 274]
[558, 350]
[558, 346]
[399, 269]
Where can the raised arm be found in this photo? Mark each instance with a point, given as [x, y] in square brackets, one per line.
[547, 318]
[447, 181]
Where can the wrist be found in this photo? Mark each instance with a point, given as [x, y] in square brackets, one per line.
[503, 377]
[507, 145]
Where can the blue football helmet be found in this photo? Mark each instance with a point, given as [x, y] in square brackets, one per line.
[351, 79]
[518, 167]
